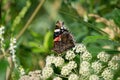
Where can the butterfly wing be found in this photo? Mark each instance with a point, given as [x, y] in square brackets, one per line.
[66, 43]
[58, 47]
[67, 40]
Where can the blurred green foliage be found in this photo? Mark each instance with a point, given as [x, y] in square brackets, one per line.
[36, 42]
[3, 68]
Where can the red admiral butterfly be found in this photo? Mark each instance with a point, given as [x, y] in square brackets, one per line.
[63, 40]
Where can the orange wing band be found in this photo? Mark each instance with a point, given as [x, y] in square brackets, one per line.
[58, 38]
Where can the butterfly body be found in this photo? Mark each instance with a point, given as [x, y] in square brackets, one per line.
[63, 39]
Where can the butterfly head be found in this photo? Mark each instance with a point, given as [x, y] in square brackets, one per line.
[59, 25]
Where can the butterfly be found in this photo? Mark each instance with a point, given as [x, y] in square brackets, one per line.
[63, 39]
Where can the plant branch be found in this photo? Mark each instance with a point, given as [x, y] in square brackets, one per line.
[30, 20]
[9, 69]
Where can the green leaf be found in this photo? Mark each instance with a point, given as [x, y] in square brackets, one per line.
[115, 15]
[39, 49]
[92, 39]
[33, 44]
[110, 51]
[48, 40]
[3, 67]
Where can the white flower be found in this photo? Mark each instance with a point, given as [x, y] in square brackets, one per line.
[103, 56]
[84, 71]
[2, 30]
[84, 68]
[97, 66]
[65, 70]
[113, 65]
[36, 73]
[14, 57]
[1, 36]
[79, 48]
[24, 77]
[72, 64]
[86, 56]
[107, 74]
[57, 78]
[85, 64]
[47, 72]
[93, 77]
[21, 70]
[12, 45]
[58, 61]
[70, 55]
[115, 58]
[12, 50]
[50, 60]
[32, 75]
[73, 77]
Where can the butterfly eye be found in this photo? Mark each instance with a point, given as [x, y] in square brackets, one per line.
[57, 34]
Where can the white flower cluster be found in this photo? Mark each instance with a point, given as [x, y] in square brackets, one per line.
[50, 60]
[1, 33]
[72, 64]
[79, 48]
[67, 68]
[113, 65]
[2, 38]
[12, 45]
[103, 56]
[107, 74]
[115, 58]
[88, 69]
[12, 50]
[21, 70]
[85, 64]
[57, 78]
[32, 75]
[97, 66]
[58, 61]
[73, 77]
[84, 68]
[86, 56]
[114, 62]
[70, 55]
[93, 77]
[47, 72]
